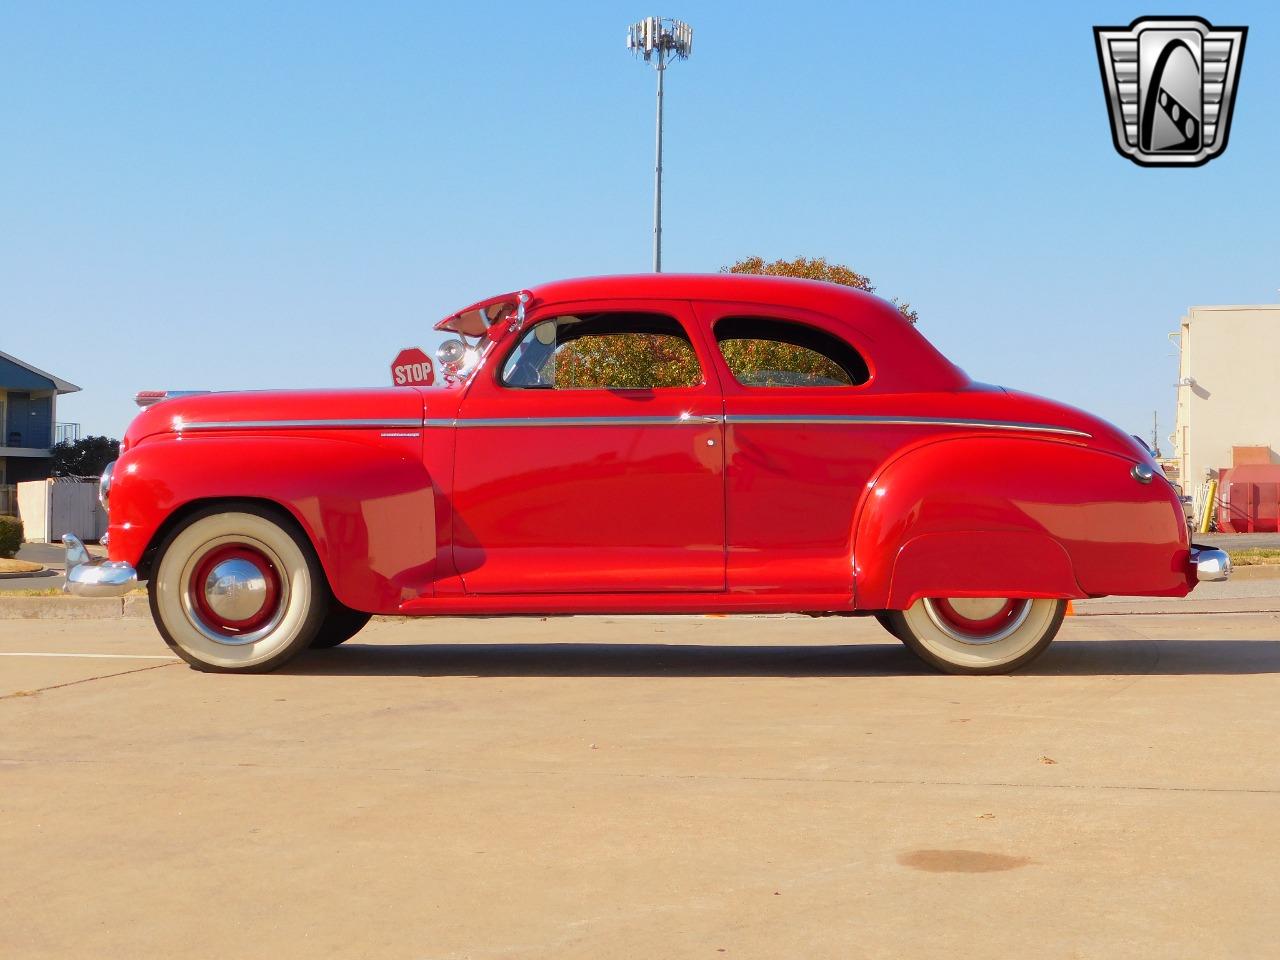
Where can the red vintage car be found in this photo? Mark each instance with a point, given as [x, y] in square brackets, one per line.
[639, 445]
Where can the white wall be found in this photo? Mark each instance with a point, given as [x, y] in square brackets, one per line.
[33, 510]
[49, 509]
[1233, 355]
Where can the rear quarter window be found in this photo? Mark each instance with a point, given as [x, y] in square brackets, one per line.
[765, 352]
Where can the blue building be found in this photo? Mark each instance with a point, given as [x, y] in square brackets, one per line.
[28, 423]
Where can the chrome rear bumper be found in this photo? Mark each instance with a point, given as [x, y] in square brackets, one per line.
[1210, 563]
[94, 576]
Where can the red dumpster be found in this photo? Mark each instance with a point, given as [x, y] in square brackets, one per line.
[1249, 499]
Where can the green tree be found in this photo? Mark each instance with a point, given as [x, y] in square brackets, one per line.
[86, 457]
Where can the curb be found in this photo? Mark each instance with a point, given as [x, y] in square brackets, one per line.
[73, 608]
[1189, 605]
[1260, 571]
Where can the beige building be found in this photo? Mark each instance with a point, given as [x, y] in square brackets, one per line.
[1228, 388]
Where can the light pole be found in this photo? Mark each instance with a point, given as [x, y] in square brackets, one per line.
[659, 39]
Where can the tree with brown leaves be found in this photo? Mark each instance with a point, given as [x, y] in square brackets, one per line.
[637, 361]
[816, 269]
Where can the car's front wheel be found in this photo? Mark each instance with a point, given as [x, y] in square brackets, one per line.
[237, 589]
[340, 624]
[978, 634]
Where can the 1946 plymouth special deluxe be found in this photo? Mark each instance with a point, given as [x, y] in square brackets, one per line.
[633, 445]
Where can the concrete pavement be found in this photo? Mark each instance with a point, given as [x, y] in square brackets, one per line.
[657, 787]
[1250, 589]
[1238, 541]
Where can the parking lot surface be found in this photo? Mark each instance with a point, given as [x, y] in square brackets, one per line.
[652, 787]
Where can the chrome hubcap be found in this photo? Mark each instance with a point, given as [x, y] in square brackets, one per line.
[978, 620]
[978, 608]
[235, 589]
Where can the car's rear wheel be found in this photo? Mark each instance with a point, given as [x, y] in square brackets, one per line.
[340, 624]
[237, 589]
[978, 634]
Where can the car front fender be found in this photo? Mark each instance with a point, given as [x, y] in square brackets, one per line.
[368, 510]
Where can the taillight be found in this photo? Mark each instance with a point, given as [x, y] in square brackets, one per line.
[145, 398]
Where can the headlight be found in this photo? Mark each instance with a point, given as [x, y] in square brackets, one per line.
[451, 353]
[104, 485]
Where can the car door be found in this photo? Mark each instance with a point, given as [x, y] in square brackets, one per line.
[796, 461]
[589, 457]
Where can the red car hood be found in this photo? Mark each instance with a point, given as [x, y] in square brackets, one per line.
[387, 403]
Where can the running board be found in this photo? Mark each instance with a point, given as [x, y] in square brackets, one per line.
[552, 604]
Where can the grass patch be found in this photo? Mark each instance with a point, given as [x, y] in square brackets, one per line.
[1255, 557]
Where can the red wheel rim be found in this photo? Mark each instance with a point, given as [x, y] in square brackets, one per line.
[197, 589]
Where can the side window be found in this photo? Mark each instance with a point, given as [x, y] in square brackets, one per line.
[762, 352]
[603, 351]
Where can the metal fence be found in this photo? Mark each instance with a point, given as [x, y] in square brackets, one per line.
[66, 432]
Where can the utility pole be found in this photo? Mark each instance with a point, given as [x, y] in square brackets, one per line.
[659, 40]
[657, 174]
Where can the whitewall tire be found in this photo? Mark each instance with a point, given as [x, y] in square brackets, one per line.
[237, 588]
[978, 635]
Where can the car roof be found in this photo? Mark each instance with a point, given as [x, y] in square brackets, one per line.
[700, 286]
[903, 358]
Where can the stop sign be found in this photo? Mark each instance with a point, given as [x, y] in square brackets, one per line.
[412, 368]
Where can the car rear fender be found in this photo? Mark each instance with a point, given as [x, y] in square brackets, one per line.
[1015, 516]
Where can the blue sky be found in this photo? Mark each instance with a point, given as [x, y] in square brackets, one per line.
[243, 195]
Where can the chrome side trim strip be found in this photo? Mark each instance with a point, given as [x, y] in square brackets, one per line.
[821, 419]
[698, 421]
[334, 424]
[798, 419]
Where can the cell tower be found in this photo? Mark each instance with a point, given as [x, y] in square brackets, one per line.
[659, 40]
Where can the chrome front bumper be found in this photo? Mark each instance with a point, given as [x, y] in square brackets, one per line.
[1210, 563]
[94, 576]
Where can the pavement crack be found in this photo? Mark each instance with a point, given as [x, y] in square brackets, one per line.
[71, 683]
